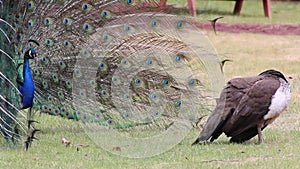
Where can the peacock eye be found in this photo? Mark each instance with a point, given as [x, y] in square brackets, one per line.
[178, 58]
[45, 84]
[195, 82]
[104, 94]
[82, 93]
[178, 103]
[153, 96]
[30, 5]
[36, 71]
[30, 23]
[126, 96]
[166, 82]
[45, 108]
[48, 21]
[60, 94]
[67, 21]
[93, 84]
[105, 14]
[67, 44]
[149, 62]
[85, 53]
[69, 84]
[129, 2]
[115, 79]
[127, 28]
[56, 111]
[105, 37]
[61, 65]
[179, 24]
[49, 42]
[77, 73]
[124, 61]
[87, 27]
[137, 81]
[192, 82]
[102, 66]
[86, 7]
[55, 78]
[50, 98]
[153, 23]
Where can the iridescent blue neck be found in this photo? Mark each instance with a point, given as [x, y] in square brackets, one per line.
[26, 71]
[27, 89]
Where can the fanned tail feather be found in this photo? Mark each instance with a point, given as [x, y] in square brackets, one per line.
[12, 120]
[116, 63]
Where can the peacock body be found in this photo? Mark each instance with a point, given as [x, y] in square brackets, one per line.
[113, 64]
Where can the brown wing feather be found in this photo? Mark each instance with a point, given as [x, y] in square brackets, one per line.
[229, 99]
[251, 109]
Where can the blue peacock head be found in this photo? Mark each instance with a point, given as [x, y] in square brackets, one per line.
[31, 53]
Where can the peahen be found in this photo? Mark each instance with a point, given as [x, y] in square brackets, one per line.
[113, 63]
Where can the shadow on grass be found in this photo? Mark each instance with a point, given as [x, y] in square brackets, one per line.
[227, 142]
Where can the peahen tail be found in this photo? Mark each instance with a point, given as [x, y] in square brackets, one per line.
[115, 63]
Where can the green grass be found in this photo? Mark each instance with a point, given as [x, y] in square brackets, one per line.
[280, 151]
[252, 11]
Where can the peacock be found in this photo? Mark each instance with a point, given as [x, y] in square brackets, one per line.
[115, 65]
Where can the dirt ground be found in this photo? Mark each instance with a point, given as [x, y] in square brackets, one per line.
[273, 29]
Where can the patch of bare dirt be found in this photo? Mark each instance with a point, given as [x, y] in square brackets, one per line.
[272, 29]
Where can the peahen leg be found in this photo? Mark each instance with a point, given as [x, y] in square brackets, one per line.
[259, 131]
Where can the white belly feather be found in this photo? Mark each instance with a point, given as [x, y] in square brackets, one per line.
[279, 101]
